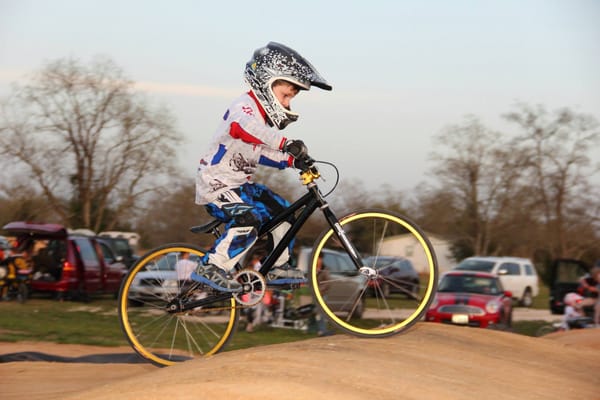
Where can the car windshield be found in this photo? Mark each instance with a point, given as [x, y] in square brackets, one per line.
[470, 284]
[475, 265]
[122, 248]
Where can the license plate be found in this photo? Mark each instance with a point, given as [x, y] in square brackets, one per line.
[460, 319]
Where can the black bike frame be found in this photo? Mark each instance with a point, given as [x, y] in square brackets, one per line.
[308, 204]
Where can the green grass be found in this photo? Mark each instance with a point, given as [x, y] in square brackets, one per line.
[529, 328]
[265, 335]
[94, 323]
[542, 299]
[97, 323]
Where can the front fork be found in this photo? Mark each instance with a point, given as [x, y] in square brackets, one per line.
[341, 235]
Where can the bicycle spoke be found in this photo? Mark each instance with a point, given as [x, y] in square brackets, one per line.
[357, 303]
[150, 314]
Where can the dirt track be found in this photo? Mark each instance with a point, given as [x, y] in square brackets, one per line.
[430, 361]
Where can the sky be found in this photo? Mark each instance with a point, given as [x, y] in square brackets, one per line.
[401, 71]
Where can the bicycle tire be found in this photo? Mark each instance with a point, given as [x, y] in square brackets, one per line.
[162, 337]
[354, 301]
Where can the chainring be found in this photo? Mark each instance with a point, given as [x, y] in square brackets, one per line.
[253, 287]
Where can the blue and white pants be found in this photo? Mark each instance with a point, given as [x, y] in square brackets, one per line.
[244, 210]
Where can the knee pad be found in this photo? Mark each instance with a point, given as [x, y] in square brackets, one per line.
[246, 219]
[242, 215]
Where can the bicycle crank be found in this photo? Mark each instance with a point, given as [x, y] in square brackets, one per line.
[253, 287]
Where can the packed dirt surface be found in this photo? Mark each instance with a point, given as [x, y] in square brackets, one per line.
[430, 361]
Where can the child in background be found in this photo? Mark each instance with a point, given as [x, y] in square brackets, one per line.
[572, 309]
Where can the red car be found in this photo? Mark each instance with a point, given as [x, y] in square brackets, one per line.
[69, 266]
[472, 299]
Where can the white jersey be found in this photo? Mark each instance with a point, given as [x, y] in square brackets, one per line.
[242, 141]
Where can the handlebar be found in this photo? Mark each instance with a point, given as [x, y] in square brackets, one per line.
[310, 172]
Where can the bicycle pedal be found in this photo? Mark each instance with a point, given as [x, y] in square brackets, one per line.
[204, 280]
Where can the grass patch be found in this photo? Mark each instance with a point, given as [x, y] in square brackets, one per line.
[97, 323]
[62, 322]
[541, 301]
[529, 328]
[265, 335]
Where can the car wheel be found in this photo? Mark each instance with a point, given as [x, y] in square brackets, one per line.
[360, 308]
[500, 325]
[527, 299]
[414, 291]
[505, 322]
[385, 289]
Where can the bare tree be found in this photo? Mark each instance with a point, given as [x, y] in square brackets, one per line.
[558, 148]
[531, 195]
[479, 177]
[170, 215]
[92, 145]
[22, 203]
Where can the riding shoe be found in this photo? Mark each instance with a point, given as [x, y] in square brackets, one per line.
[216, 278]
[285, 272]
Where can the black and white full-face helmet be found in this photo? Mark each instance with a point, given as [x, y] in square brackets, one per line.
[273, 62]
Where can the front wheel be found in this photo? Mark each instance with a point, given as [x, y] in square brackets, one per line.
[527, 299]
[385, 242]
[153, 313]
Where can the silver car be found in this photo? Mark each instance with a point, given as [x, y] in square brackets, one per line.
[161, 280]
[344, 280]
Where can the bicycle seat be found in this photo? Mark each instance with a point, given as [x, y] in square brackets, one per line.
[206, 228]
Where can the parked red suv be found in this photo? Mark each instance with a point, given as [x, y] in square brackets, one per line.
[71, 266]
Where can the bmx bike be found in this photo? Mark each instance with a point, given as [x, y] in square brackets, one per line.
[167, 319]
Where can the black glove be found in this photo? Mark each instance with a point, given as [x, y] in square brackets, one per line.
[303, 163]
[296, 148]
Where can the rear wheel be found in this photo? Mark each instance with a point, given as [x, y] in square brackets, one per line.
[150, 310]
[385, 290]
[527, 299]
[373, 233]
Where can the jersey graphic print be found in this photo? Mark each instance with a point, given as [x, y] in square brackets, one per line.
[239, 163]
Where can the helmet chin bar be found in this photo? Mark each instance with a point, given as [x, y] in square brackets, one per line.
[278, 115]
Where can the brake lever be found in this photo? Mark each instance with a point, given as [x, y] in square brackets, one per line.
[311, 173]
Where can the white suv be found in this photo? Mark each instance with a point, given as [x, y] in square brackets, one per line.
[516, 274]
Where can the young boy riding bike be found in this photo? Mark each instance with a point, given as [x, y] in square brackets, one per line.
[249, 135]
